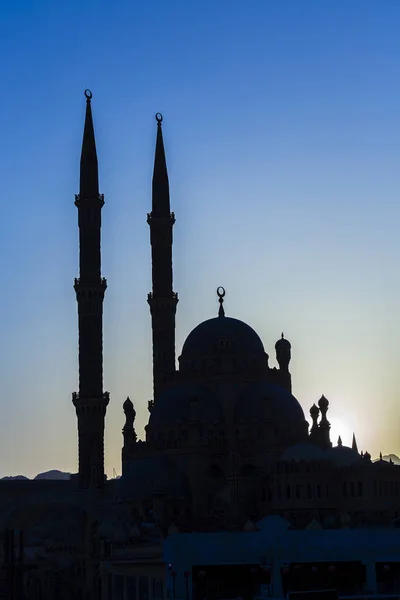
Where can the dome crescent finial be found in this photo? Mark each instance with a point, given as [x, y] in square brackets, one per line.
[221, 295]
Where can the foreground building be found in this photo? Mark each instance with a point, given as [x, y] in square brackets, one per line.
[227, 443]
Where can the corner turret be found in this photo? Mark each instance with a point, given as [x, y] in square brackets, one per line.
[283, 356]
[128, 432]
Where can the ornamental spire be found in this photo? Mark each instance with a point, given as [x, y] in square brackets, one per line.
[354, 443]
[160, 202]
[221, 294]
[89, 181]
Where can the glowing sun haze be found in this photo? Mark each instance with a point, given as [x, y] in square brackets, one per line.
[281, 127]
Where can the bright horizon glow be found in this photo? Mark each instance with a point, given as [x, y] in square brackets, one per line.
[281, 127]
[340, 428]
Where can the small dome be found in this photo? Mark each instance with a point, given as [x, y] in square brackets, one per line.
[283, 343]
[323, 402]
[128, 405]
[266, 401]
[343, 456]
[146, 476]
[381, 462]
[314, 410]
[222, 333]
[177, 405]
[306, 452]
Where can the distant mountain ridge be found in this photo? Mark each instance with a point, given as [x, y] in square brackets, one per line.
[53, 474]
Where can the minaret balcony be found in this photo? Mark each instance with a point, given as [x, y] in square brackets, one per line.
[99, 198]
[166, 219]
[87, 404]
[101, 284]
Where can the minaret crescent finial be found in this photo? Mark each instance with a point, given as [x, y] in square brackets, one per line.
[221, 295]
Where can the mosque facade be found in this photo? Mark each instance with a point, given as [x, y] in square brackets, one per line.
[226, 445]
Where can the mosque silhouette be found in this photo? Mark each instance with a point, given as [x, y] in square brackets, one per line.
[226, 443]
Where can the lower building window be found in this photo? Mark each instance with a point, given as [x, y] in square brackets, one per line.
[131, 588]
[143, 588]
[118, 587]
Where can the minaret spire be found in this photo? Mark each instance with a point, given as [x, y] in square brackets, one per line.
[162, 299]
[91, 402]
[89, 180]
[354, 443]
[160, 201]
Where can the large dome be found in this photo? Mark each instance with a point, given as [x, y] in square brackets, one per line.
[267, 401]
[178, 403]
[343, 456]
[222, 333]
[275, 409]
[306, 452]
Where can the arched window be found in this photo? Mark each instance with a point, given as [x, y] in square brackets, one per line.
[248, 470]
[309, 491]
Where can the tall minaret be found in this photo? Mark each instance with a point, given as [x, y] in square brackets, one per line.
[162, 299]
[91, 402]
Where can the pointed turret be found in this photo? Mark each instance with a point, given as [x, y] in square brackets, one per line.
[324, 424]
[89, 181]
[162, 299]
[339, 442]
[283, 356]
[354, 443]
[160, 203]
[128, 433]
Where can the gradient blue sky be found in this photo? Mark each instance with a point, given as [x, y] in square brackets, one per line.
[281, 126]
